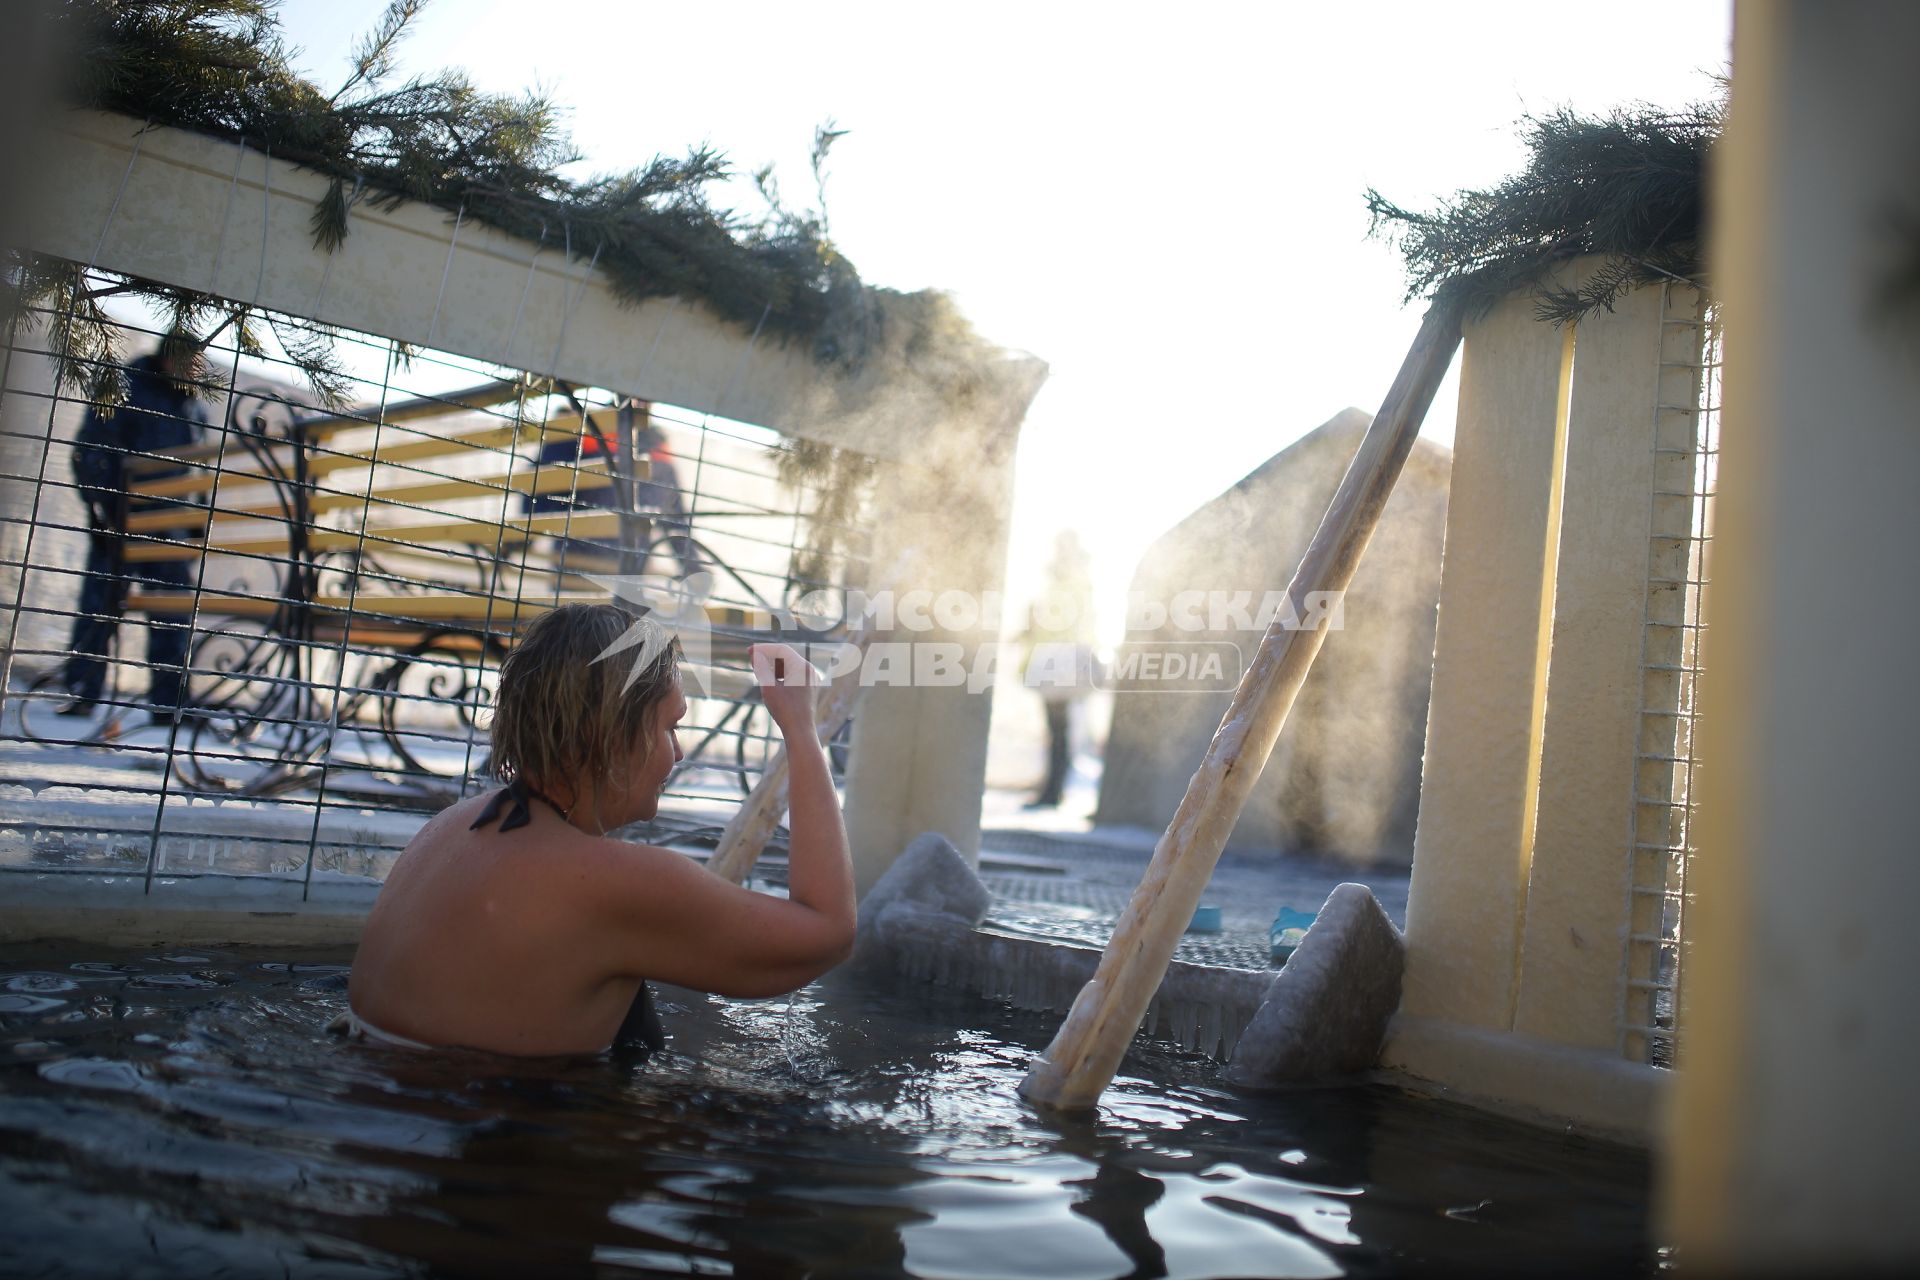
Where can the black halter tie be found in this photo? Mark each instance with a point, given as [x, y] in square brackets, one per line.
[522, 793]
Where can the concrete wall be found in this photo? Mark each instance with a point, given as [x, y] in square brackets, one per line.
[1795, 1124]
[209, 214]
[1344, 778]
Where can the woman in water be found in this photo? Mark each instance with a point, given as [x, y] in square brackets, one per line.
[514, 923]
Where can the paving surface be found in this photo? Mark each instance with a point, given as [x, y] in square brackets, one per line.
[1073, 885]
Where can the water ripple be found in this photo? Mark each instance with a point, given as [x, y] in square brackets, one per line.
[851, 1130]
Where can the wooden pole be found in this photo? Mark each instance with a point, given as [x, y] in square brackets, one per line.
[1086, 1052]
[752, 825]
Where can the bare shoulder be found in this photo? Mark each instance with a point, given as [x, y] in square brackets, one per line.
[627, 865]
[639, 904]
[455, 818]
[658, 890]
[437, 833]
[659, 914]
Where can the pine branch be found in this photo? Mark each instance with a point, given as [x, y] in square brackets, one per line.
[373, 54]
[312, 348]
[1627, 187]
[329, 220]
[824, 136]
[219, 67]
[841, 481]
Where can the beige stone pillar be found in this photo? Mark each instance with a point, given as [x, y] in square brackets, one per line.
[1795, 1127]
[1577, 914]
[1472, 846]
[919, 759]
[1519, 896]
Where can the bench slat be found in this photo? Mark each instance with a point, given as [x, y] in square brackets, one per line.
[550, 479]
[729, 682]
[471, 607]
[448, 606]
[463, 533]
[318, 428]
[417, 409]
[239, 466]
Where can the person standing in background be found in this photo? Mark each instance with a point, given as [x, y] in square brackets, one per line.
[1059, 662]
[162, 411]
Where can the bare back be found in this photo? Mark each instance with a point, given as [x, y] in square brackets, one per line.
[479, 938]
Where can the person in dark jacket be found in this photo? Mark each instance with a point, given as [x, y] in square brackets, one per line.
[161, 412]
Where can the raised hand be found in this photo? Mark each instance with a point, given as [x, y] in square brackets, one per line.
[787, 682]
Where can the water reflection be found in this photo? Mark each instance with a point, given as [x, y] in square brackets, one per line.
[852, 1131]
[1171, 1207]
[1117, 1198]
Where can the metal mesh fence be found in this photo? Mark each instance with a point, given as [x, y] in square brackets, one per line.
[1686, 466]
[246, 634]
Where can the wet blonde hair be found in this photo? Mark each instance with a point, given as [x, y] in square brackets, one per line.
[564, 711]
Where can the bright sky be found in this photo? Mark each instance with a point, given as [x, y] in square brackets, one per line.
[1162, 202]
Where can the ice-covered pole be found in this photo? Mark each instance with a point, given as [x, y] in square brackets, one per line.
[1086, 1052]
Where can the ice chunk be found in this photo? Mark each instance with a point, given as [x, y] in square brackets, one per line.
[934, 875]
[932, 878]
[1326, 1012]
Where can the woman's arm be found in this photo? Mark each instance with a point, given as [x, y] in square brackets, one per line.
[672, 920]
[819, 865]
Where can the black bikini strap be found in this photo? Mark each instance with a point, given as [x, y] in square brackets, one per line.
[522, 795]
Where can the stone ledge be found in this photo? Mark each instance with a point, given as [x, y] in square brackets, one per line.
[1532, 1079]
[204, 910]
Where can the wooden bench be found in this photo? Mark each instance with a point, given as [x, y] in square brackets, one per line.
[380, 552]
[247, 496]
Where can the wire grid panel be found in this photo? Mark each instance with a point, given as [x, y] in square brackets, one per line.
[1686, 465]
[249, 635]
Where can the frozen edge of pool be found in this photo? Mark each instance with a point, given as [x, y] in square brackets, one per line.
[1621, 1101]
[203, 909]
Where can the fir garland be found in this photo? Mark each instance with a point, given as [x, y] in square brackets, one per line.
[1628, 186]
[219, 67]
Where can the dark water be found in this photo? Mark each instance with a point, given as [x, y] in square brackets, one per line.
[183, 1114]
